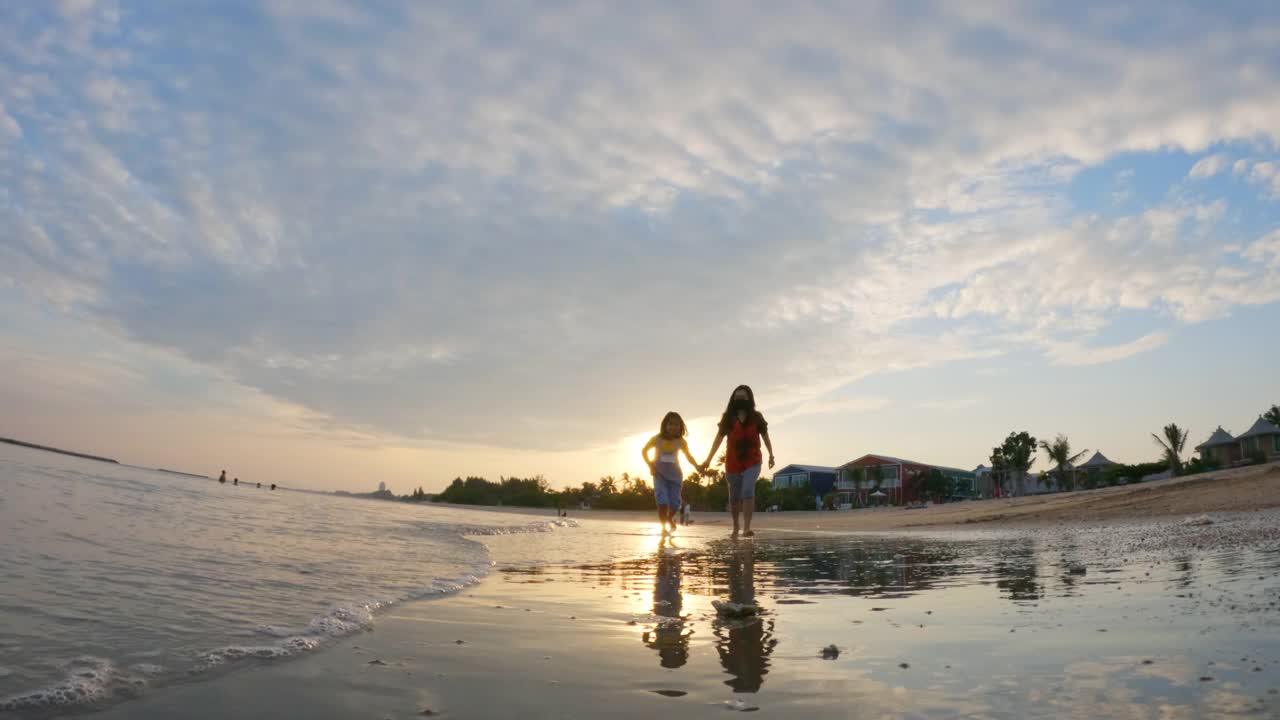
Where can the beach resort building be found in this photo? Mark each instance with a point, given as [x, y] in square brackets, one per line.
[987, 485]
[1221, 449]
[984, 482]
[1262, 440]
[1092, 469]
[819, 478]
[896, 480]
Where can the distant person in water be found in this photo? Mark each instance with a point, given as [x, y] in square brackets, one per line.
[223, 477]
[744, 427]
[665, 467]
[236, 481]
[273, 486]
[259, 484]
[686, 513]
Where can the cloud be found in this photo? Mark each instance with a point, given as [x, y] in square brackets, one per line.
[1267, 175]
[825, 406]
[1073, 353]
[533, 228]
[9, 128]
[955, 403]
[1208, 166]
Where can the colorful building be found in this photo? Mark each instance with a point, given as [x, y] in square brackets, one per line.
[819, 478]
[902, 481]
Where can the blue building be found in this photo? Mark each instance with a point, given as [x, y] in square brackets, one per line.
[820, 479]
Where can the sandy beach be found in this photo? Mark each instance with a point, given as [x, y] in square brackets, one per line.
[1104, 603]
[979, 622]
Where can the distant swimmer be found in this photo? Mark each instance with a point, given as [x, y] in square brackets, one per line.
[223, 477]
[259, 484]
[236, 481]
[273, 486]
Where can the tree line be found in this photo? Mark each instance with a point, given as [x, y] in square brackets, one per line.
[703, 491]
[1011, 464]
[1011, 461]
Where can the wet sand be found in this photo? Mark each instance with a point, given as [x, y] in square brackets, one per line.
[1238, 490]
[1142, 620]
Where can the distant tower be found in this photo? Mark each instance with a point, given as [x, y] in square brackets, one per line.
[382, 487]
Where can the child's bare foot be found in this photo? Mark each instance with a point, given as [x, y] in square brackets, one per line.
[734, 535]
[749, 533]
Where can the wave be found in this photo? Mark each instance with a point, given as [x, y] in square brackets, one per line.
[489, 530]
[90, 681]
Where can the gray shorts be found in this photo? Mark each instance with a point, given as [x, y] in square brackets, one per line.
[742, 486]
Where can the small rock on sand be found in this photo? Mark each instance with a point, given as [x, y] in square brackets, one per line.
[1196, 521]
[830, 652]
[376, 662]
[904, 666]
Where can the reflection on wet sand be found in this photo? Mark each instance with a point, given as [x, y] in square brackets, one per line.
[1063, 606]
[744, 644]
[669, 635]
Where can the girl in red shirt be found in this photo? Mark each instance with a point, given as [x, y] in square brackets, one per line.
[744, 427]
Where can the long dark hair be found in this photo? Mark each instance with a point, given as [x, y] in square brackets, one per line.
[726, 420]
[673, 415]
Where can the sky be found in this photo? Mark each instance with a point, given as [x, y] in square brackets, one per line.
[328, 244]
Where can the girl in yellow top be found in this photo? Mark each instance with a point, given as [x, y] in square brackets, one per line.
[665, 466]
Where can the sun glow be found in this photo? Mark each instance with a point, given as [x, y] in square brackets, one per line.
[702, 431]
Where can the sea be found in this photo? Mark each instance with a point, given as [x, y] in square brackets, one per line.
[117, 579]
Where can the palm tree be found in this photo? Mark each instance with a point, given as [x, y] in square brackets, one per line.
[1175, 438]
[859, 477]
[1059, 452]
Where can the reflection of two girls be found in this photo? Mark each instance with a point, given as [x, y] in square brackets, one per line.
[668, 636]
[743, 427]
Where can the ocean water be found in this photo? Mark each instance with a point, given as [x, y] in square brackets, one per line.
[115, 579]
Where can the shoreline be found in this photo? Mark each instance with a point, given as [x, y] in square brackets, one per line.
[641, 637]
[1235, 490]
[58, 451]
